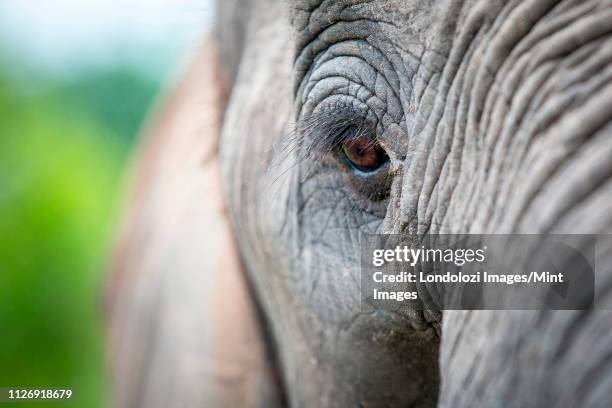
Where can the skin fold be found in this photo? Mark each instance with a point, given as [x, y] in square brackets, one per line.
[496, 117]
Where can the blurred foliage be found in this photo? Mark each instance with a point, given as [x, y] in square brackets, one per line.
[119, 98]
[62, 150]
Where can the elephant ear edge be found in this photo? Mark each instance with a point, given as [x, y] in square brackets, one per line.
[183, 326]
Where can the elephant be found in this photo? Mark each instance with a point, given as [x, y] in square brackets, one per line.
[303, 124]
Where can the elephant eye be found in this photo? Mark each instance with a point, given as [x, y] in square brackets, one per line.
[364, 154]
[341, 142]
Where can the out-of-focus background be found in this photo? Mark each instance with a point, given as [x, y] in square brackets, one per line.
[77, 79]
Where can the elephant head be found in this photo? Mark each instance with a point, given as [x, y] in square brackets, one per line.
[352, 117]
[348, 117]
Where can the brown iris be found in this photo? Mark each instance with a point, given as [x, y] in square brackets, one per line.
[364, 154]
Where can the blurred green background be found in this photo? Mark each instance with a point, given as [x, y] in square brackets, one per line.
[68, 123]
[62, 151]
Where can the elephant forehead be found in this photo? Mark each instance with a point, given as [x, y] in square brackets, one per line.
[397, 28]
[417, 18]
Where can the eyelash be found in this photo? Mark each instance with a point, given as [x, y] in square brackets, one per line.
[325, 130]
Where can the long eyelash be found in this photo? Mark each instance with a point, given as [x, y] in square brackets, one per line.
[328, 128]
[321, 133]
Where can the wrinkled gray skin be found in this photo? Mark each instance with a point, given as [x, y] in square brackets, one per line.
[497, 116]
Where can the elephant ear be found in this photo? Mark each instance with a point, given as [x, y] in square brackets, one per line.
[183, 324]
